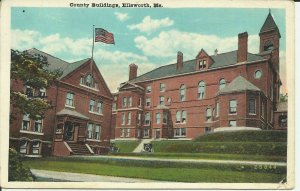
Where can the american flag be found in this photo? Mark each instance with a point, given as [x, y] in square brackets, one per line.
[104, 36]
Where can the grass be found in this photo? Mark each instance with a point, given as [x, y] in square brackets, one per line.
[126, 146]
[209, 156]
[160, 173]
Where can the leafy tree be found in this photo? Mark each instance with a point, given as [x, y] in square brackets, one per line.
[17, 171]
[32, 71]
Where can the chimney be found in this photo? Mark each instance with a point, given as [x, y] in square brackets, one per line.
[179, 64]
[132, 71]
[242, 47]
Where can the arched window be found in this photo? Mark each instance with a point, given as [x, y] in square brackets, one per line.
[201, 90]
[257, 74]
[268, 46]
[222, 83]
[182, 92]
[89, 80]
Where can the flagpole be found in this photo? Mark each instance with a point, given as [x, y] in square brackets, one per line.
[91, 64]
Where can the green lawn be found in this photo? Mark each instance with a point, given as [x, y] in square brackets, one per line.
[160, 173]
[126, 146]
[210, 156]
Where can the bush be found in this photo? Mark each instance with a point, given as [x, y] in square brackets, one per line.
[244, 136]
[17, 171]
[256, 148]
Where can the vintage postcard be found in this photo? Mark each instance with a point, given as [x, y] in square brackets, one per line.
[147, 94]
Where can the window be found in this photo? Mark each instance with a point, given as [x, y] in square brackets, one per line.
[70, 99]
[282, 119]
[207, 130]
[148, 102]
[122, 132]
[42, 92]
[90, 131]
[138, 132]
[257, 74]
[23, 147]
[123, 119]
[140, 102]
[178, 116]
[36, 147]
[139, 118]
[147, 118]
[162, 87]
[232, 106]
[165, 118]
[89, 80]
[183, 117]
[169, 100]
[157, 116]
[161, 100]
[129, 118]
[124, 103]
[26, 122]
[148, 89]
[268, 46]
[99, 106]
[222, 83]
[217, 109]
[146, 132]
[97, 132]
[201, 90]
[128, 133]
[182, 93]
[129, 101]
[252, 106]
[92, 105]
[29, 91]
[179, 132]
[208, 114]
[114, 106]
[81, 80]
[202, 64]
[38, 126]
[232, 123]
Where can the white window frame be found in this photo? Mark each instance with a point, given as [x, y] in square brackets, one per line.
[201, 90]
[100, 107]
[232, 121]
[92, 105]
[148, 100]
[124, 102]
[147, 118]
[70, 99]
[148, 89]
[123, 119]
[183, 116]
[97, 132]
[233, 106]
[26, 120]
[222, 83]
[162, 87]
[178, 116]
[90, 130]
[36, 148]
[250, 109]
[157, 118]
[40, 123]
[24, 147]
[129, 101]
[208, 114]
[180, 132]
[161, 100]
[182, 92]
[129, 118]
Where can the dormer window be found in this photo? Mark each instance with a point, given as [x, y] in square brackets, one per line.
[202, 64]
[89, 80]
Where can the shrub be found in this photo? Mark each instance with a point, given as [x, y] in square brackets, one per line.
[17, 171]
[244, 136]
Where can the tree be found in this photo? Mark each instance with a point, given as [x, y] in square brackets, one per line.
[33, 72]
[283, 98]
[17, 171]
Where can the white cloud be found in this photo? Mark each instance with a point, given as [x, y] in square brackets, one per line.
[122, 16]
[167, 43]
[148, 25]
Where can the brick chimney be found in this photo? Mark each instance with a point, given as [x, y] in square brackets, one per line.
[132, 71]
[242, 47]
[179, 64]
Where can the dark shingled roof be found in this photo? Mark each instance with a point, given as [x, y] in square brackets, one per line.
[269, 24]
[56, 63]
[238, 84]
[220, 60]
[71, 113]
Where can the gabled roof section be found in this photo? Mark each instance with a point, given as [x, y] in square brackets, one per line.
[54, 62]
[73, 113]
[72, 66]
[128, 85]
[220, 60]
[269, 24]
[237, 85]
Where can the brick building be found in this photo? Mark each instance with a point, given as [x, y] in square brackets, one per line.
[78, 123]
[231, 90]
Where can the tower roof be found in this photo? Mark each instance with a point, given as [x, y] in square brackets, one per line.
[269, 24]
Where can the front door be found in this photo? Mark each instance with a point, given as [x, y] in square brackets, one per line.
[69, 131]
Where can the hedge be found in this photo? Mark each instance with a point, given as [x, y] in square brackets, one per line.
[256, 148]
[244, 136]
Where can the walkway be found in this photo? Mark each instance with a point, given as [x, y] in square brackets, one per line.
[192, 160]
[55, 176]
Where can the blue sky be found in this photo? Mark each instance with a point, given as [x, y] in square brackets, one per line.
[147, 37]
